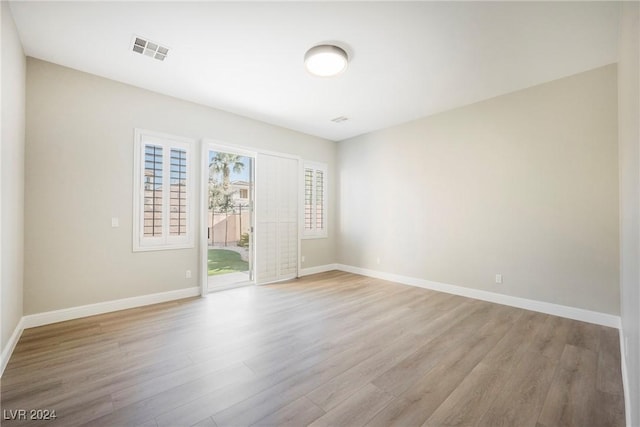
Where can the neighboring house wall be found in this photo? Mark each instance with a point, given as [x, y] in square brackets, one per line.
[240, 192]
[629, 128]
[524, 185]
[12, 167]
[79, 162]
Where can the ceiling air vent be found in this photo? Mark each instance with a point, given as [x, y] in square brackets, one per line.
[340, 119]
[149, 48]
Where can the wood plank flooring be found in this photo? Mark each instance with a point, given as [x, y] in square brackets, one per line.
[333, 349]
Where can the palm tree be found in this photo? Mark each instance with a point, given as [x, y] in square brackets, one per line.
[220, 194]
[224, 163]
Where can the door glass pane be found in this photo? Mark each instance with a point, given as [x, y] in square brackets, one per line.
[229, 218]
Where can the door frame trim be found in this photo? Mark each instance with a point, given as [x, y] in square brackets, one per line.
[206, 144]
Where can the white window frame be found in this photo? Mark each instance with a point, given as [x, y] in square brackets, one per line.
[315, 233]
[167, 142]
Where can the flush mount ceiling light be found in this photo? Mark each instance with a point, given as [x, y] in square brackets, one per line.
[326, 60]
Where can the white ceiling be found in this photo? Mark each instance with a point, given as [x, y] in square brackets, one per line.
[408, 60]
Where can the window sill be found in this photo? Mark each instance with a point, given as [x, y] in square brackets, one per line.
[311, 237]
[162, 248]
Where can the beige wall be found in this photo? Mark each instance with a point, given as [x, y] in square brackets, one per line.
[629, 145]
[525, 185]
[12, 167]
[79, 163]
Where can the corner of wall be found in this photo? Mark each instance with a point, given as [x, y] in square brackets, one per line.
[629, 182]
[13, 96]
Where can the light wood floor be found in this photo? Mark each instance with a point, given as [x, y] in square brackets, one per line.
[331, 349]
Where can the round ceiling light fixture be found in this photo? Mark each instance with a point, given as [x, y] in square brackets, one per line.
[326, 60]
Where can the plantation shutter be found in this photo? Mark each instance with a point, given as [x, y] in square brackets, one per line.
[163, 183]
[178, 208]
[276, 207]
[152, 205]
[315, 199]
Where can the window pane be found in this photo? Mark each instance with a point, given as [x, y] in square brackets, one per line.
[152, 191]
[162, 195]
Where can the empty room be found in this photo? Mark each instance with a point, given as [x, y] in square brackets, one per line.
[320, 213]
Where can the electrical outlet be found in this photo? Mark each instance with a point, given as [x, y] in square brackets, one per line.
[498, 278]
[187, 274]
[115, 222]
[302, 258]
[378, 260]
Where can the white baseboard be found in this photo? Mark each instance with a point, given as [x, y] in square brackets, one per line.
[319, 269]
[49, 317]
[46, 318]
[11, 345]
[574, 313]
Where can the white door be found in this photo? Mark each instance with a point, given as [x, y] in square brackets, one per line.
[276, 215]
